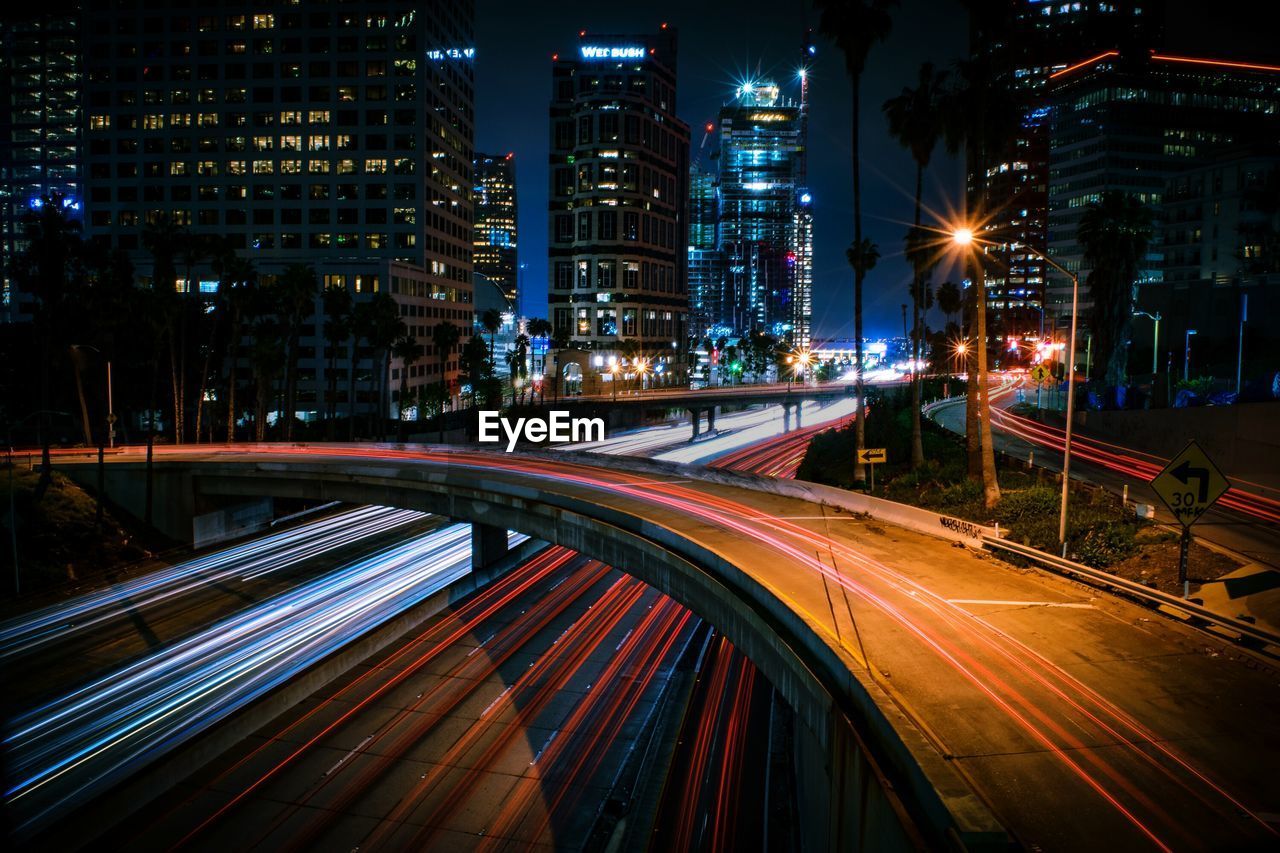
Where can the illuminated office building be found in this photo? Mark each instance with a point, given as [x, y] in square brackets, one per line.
[1030, 40]
[495, 241]
[619, 188]
[40, 128]
[1137, 124]
[336, 135]
[765, 222]
[706, 268]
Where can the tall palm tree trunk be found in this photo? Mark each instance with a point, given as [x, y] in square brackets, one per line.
[917, 292]
[859, 273]
[234, 345]
[973, 446]
[351, 392]
[990, 483]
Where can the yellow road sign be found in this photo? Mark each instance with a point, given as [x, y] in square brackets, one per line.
[1190, 484]
[870, 455]
[1040, 374]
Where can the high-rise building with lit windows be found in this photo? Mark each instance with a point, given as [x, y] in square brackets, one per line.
[495, 257]
[1135, 123]
[706, 270]
[1031, 40]
[619, 190]
[338, 135]
[40, 129]
[765, 222]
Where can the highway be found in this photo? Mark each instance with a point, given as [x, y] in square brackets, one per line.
[48, 650]
[1074, 716]
[505, 720]
[1246, 520]
[77, 743]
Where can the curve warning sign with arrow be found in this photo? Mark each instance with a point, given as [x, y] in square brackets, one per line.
[1190, 484]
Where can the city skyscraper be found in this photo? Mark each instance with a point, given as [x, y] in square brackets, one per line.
[495, 227]
[339, 137]
[1030, 40]
[765, 222]
[706, 269]
[40, 130]
[619, 187]
[1133, 123]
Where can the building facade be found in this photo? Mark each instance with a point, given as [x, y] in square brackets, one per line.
[1032, 41]
[496, 257]
[1142, 125]
[765, 223]
[619, 233]
[339, 136]
[706, 267]
[40, 130]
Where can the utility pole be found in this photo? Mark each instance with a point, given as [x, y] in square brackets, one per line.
[1244, 318]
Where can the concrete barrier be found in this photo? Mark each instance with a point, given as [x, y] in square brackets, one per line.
[891, 512]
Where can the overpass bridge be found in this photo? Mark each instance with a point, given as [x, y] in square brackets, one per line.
[703, 403]
[947, 701]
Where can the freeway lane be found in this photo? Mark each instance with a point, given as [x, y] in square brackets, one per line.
[1075, 716]
[502, 721]
[51, 649]
[62, 752]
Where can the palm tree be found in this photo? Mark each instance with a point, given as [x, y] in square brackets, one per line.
[491, 322]
[267, 356]
[517, 363]
[296, 292]
[981, 118]
[444, 337]
[949, 299]
[385, 328]
[915, 120]
[474, 361]
[192, 248]
[407, 349]
[855, 26]
[47, 270]
[163, 238]
[541, 328]
[336, 303]
[239, 292]
[361, 322]
[1114, 234]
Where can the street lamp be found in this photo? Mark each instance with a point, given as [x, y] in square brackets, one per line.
[963, 237]
[1186, 356]
[613, 369]
[1155, 341]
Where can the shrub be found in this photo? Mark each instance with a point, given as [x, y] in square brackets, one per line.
[1028, 504]
[1104, 545]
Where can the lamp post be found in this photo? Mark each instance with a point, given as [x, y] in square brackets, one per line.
[1155, 341]
[963, 237]
[1186, 356]
[111, 413]
[613, 370]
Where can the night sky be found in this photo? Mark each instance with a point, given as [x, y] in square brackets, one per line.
[721, 44]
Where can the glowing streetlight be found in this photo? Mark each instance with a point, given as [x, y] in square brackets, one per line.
[964, 237]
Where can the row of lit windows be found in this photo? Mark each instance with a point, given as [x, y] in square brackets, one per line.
[206, 192]
[100, 147]
[346, 118]
[610, 274]
[236, 168]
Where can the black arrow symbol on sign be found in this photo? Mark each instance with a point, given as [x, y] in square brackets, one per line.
[1185, 472]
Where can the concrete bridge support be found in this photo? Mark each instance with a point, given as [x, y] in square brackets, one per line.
[696, 419]
[488, 544]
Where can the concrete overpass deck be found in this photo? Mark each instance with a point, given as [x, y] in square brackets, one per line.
[948, 697]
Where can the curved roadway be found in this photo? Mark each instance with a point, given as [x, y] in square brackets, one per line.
[1074, 717]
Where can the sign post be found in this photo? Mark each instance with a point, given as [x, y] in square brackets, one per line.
[1040, 374]
[870, 456]
[1189, 485]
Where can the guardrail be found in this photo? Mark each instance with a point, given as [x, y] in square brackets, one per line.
[1134, 589]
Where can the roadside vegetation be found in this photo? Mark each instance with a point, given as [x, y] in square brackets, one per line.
[1101, 531]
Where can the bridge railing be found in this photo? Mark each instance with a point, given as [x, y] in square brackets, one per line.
[1133, 589]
